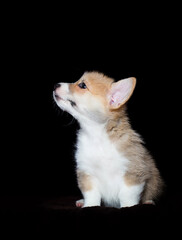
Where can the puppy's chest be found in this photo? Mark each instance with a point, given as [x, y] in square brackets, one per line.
[97, 153]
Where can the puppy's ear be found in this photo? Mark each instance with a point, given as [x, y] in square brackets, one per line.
[120, 92]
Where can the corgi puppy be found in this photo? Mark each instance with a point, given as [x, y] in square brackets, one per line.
[112, 165]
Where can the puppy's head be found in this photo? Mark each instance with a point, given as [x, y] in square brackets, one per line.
[94, 96]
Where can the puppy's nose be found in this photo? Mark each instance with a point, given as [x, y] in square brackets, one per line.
[57, 85]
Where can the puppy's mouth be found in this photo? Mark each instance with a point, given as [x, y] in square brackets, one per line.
[58, 98]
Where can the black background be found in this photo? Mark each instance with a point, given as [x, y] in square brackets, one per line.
[39, 50]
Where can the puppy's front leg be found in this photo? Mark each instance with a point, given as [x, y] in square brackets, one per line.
[88, 187]
[91, 198]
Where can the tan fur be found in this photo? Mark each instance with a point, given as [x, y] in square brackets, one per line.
[142, 167]
[84, 181]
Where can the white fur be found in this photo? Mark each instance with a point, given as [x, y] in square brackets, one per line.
[98, 157]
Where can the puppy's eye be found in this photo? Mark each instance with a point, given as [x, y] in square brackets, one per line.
[82, 85]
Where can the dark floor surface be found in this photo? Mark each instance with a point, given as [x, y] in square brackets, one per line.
[57, 216]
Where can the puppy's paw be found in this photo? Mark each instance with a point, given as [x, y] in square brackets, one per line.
[80, 203]
[149, 202]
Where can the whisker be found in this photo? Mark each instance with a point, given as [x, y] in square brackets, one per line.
[60, 112]
[70, 123]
